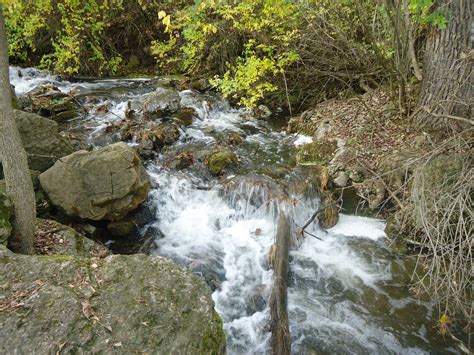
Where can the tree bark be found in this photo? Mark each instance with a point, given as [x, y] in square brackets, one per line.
[447, 71]
[14, 160]
[281, 338]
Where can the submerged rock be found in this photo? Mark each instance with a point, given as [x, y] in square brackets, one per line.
[120, 304]
[41, 139]
[104, 184]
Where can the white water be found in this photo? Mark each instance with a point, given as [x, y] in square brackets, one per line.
[347, 292]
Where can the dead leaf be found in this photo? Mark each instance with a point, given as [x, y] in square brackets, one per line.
[87, 310]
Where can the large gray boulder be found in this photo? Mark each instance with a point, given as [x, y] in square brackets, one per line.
[41, 139]
[122, 304]
[161, 103]
[105, 184]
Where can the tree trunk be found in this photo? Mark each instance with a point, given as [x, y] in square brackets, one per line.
[446, 94]
[14, 160]
[281, 338]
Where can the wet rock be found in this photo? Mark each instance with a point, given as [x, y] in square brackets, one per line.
[185, 116]
[150, 137]
[6, 213]
[123, 228]
[53, 238]
[105, 184]
[256, 301]
[329, 217]
[218, 162]
[182, 161]
[49, 101]
[41, 140]
[162, 102]
[234, 138]
[119, 304]
[208, 271]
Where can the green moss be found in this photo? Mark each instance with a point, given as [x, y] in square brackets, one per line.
[214, 342]
[316, 153]
[218, 162]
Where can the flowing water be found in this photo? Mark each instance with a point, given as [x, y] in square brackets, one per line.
[348, 293]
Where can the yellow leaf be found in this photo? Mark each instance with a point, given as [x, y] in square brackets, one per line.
[167, 21]
[161, 14]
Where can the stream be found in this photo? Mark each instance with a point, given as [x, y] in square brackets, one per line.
[348, 293]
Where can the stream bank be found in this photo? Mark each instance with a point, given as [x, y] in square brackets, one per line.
[347, 292]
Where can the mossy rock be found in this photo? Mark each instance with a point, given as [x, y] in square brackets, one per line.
[185, 116]
[121, 304]
[316, 153]
[122, 229]
[218, 162]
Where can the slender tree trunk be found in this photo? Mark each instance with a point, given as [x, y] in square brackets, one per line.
[14, 160]
[446, 96]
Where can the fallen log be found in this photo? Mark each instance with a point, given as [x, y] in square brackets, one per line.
[281, 338]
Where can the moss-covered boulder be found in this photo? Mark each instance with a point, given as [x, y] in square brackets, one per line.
[317, 153]
[218, 162]
[6, 212]
[105, 184]
[121, 304]
[41, 139]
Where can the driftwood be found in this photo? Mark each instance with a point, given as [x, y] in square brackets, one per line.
[281, 338]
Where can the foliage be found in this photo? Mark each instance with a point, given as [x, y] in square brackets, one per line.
[244, 44]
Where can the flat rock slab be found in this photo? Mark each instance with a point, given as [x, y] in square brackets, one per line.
[120, 304]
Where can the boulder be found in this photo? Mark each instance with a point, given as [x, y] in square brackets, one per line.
[41, 139]
[162, 102]
[118, 304]
[219, 161]
[104, 184]
[6, 212]
[49, 101]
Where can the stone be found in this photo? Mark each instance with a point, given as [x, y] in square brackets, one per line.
[317, 153]
[105, 184]
[341, 179]
[122, 229]
[49, 101]
[41, 140]
[162, 102]
[185, 116]
[54, 238]
[182, 161]
[219, 161]
[6, 213]
[117, 304]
